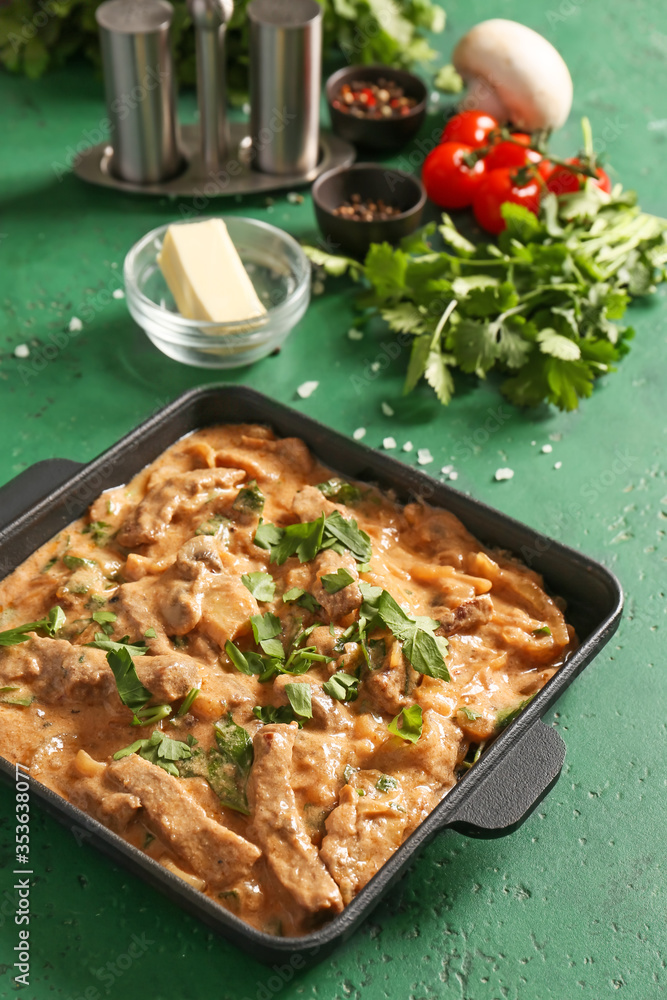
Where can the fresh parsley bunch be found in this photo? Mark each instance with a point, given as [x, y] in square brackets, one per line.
[36, 35]
[541, 305]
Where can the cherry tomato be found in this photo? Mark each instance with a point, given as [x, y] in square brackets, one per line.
[562, 181]
[469, 127]
[508, 154]
[449, 182]
[497, 187]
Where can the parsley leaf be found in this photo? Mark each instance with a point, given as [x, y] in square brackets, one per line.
[342, 686]
[160, 749]
[53, 622]
[265, 628]
[99, 530]
[306, 538]
[301, 597]
[268, 714]
[507, 715]
[425, 651]
[77, 562]
[250, 498]
[267, 535]
[299, 696]
[102, 642]
[262, 586]
[542, 630]
[215, 525]
[407, 724]
[386, 783]
[226, 766]
[131, 691]
[333, 582]
[469, 713]
[347, 531]
[339, 491]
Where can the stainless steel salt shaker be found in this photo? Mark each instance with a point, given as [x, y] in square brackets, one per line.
[140, 89]
[285, 71]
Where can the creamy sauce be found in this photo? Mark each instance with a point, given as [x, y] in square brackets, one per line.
[323, 806]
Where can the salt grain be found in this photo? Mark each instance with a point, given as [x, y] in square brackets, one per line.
[558, 465]
[118, 293]
[375, 367]
[75, 325]
[294, 198]
[453, 476]
[446, 469]
[359, 433]
[387, 409]
[424, 456]
[547, 449]
[355, 334]
[503, 474]
[389, 443]
[408, 446]
[307, 389]
[21, 351]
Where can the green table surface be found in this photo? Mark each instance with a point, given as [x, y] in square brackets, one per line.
[573, 903]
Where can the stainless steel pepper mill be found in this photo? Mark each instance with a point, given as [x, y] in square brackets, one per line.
[210, 18]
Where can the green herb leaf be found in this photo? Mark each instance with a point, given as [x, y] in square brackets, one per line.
[542, 630]
[53, 622]
[267, 535]
[262, 586]
[215, 525]
[102, 642]
[301, 597]
[339, 491]
[333, 582]
[130, 689]
[469, 713]
[270, 714]
[265, 628]
[507, 715]
[299, 696]
[160, 749]
[250, 498]
[342, 686]
[188, 701]
[348, 533]
[150, 633]
[407, 724]
[99, 530]
[386, 783]
[77, 562]
[425, 651]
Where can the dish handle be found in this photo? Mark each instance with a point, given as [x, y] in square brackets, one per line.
[523, 774]
[32, 485]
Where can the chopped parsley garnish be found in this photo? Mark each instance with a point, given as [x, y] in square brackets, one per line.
[250, 498]
[301, 597]
[333, 582]
[226, 766]
[542, 630]
[299, 696]
[131, 691]
[467, 764]
[340, 491]
[215, 525]
[102, 642]
[386, 783]
[7, 698]
[150, 633]
[342, 686]
[161, 750]
[105, 619]
[77, 562]
[307, 538]
[50, 564]
[469, 713]
[53, 622]
[99, 531]
[262, 586]
[265, 628]
[299, 659]
[188, 701]
[507, 715]
[407, 724]
[270, 714]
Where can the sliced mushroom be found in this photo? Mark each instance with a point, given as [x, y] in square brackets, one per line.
[514, 74]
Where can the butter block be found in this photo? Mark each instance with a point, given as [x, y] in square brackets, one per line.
[205, 274]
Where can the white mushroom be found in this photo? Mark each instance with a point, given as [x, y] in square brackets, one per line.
[514, 74]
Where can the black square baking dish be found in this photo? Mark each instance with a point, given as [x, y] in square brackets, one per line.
[493, 798]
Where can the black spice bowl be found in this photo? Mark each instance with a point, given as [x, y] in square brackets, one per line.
[372, 182]
[377, 133]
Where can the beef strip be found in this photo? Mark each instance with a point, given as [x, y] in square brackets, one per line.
[214, 853]
[183, 491]
[96, 795]
[363, 831]
[469, 615]
[278, 827]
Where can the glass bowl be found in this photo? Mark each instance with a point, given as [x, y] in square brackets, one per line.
[279, 270]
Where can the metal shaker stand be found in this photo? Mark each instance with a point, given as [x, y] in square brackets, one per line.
[218, 157]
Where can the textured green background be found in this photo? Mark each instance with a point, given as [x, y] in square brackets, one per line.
[574, 902]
